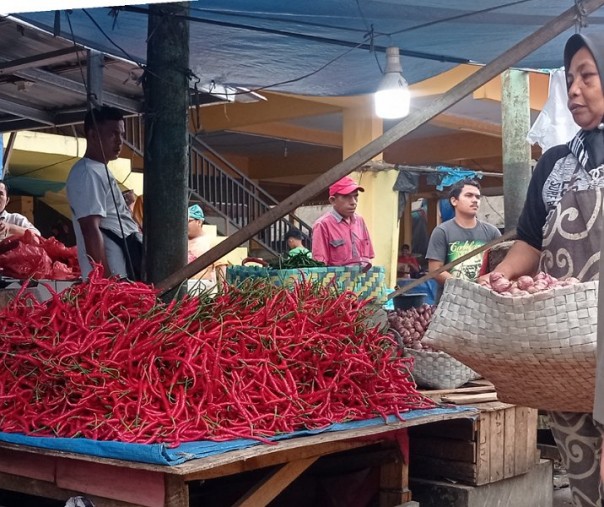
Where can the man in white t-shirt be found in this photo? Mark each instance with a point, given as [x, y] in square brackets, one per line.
[12, 224]
[101, 219]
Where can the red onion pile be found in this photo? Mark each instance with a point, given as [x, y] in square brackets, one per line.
[525, 285]
[411, 325]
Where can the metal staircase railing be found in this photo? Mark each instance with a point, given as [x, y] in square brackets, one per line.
[226, 192]
[232, 194]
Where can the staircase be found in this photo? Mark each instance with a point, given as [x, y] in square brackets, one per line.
[226, 193]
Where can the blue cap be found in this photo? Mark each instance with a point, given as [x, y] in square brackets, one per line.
[196, 213]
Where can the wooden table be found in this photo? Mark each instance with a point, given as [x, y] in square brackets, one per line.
[119, 483]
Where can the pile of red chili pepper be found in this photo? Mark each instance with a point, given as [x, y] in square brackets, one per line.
[107, 360]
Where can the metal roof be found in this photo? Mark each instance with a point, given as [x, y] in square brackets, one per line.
[45, 80]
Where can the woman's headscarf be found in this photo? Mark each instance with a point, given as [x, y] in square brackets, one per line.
[587, 145]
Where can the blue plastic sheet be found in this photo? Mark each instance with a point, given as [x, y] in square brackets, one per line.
[160, 454]
[450, 175]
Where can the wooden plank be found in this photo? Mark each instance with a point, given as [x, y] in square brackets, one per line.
[298, 448]
[459, 390]
[267, 490]
[28, 465]
[480, 382]
[176, 491]
[139, 487]
[443, 448]
[520, 450]
[416, 119]
[394, 483]
[463, 399]
[509, 436]
[45, 489]
[496, 442]
[483, 458]
[533, 456]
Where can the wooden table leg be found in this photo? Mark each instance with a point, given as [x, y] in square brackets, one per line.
[394, 483]
[177, 491]
[266, 491]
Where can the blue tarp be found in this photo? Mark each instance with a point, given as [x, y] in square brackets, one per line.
[160, 454]
[326, 47]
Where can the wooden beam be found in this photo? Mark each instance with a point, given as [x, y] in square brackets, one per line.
[277, 108]
[418, 118]
[266, 491]
[290, 132]
[318, 162]
[443, 149]
[457, 122]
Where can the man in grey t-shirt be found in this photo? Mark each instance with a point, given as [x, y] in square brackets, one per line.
[97, 204]
[460, 235]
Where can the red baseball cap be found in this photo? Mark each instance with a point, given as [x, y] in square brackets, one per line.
[344, 186]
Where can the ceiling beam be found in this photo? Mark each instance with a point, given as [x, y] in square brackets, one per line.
[110, 99]
[443, 149]
[457, 122]
[31, 113]
[41, 60]
[277, 108]
[290, 132]
[302, 164]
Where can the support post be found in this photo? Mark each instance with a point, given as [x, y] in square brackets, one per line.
[166, 140]
[515, 122]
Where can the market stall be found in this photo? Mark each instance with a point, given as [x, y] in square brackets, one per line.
[56, 471]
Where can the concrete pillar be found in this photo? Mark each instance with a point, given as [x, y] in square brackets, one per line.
[379, 204]
[516, 151]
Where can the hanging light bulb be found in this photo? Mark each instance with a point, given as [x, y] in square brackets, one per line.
[392, 98]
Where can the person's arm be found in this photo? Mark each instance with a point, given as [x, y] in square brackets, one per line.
[16, 225]
[94, 241]
[522, 259]
[437, 254]
[320, 243]
[441, 278]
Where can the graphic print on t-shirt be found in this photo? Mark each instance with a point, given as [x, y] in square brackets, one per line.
[468, 269]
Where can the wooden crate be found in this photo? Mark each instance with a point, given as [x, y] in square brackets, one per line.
[501, 442]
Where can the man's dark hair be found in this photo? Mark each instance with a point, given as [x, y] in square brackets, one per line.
[458, 187]
[100, 115]
[2, 182]
[294, 233]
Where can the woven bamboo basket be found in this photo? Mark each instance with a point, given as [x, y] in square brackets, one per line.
[538, 350]
[438, 370]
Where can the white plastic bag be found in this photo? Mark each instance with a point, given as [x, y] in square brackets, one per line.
[555, 124]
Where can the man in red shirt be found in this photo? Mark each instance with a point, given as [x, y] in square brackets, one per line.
[340, 237]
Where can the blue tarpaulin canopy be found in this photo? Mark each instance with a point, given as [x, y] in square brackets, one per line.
[326, 47]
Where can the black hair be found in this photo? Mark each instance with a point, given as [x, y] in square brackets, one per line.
[458, 187]
[294, 233]
[101, 115]
[5, 186]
